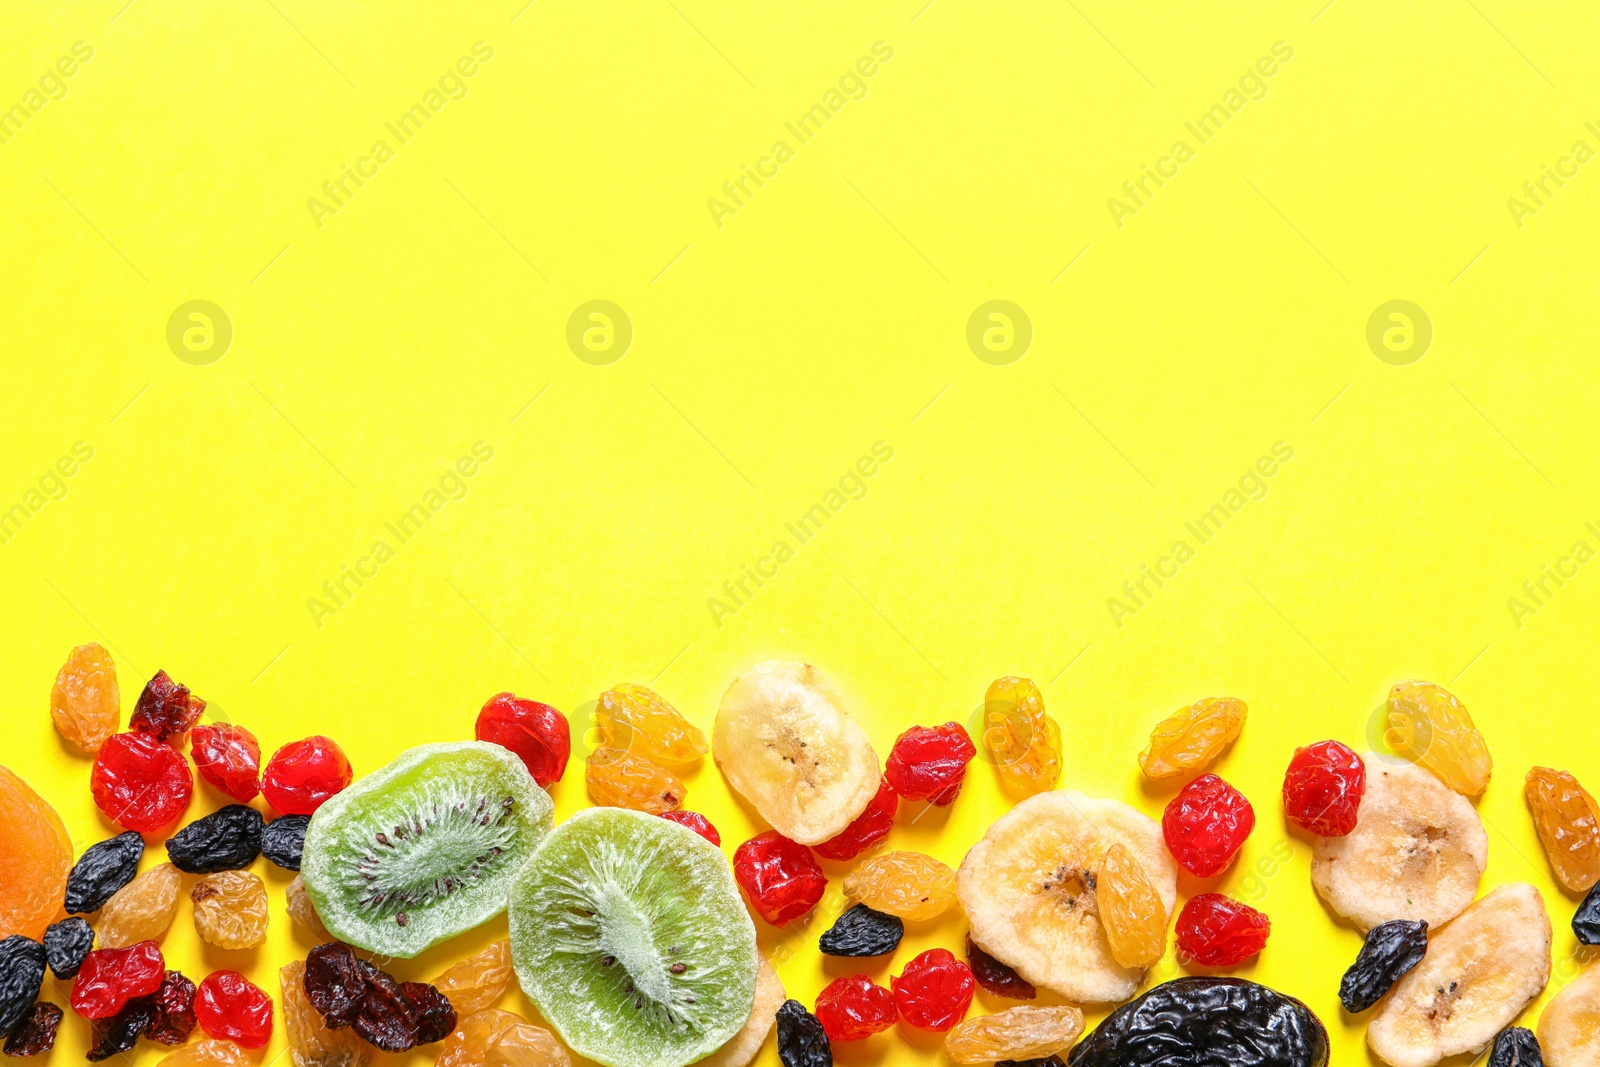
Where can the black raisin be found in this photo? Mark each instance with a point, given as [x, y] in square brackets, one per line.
[36, 1032]
[102, 870]
[1207, 1022]
[121, 1031]
[229, 839]
[21, 978]
[860, 931]
[283, 838]
[174, 1010]
[801, 1040]
[996, 977]
[1516, 1047]
[1391, 949]
[1586, 923]
[65, 945]
[336, 983]
[434, 1016]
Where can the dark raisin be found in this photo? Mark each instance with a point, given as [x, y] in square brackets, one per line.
[65, 945]
[996, 977]
[283, 838]
[21, 978]
[1586, 922]
[229, 839]
[432, 1011]
[801, 1040]
[174, 1010]
[1207, 1022]
[1391, 949]
[36, 1032]
[103, 869]
[386, 1019]
[165, 708]
[121, 1031]
[860, 931]
[1516, 1047]
[336, 983]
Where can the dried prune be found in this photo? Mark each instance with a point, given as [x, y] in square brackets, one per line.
[996, 977]
[1048, 1061]
[283, 839]
[174, 1010]
[802, 1042]
[1516, 1047]
[336, 983]
[36, 1032]
[66, 943]
[860, 931]
[21, 977]
[103, 869]
[120, 1032]
[1207, 1022]
[1391, 949]
[934, 991]
[229, 839]
[1586, 920]
[165, 708]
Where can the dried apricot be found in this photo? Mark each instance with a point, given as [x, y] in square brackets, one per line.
[85, 703]
[36, 856]
[526, 1045]
[908, 884]
[477, 981]
[311, 1042]
[1192, 737]
[1022, 1033]
[1131, 911]
[1429, 726]
[635, 718]
[618, 779]
[141, 910]
[1568, 822]
[1023, 741]
[230, 909]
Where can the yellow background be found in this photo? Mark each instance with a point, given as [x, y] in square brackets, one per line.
[769, 353]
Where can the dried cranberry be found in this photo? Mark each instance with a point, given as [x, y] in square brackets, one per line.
[1218, 931]
[996, 977]
[696, 822]
[930, 763]
[36, 1032]
[431, 1010]
[110, 977]
[139, 783]
[228, 759]
[174, 1010]
[120, 1032]
[1205, 824]
[870, 828]
[1322, 791]
[536, 732]
[303, 774]
[934, 991]
[336, 983]
[781, 878]
[165, 708]
[852, 1008]
[232, 1008]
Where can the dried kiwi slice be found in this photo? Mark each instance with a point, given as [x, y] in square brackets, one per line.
[628, 933]
[424, 848]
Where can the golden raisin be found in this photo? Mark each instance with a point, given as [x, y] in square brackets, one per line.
[618, 779]
[477, 981]
[209, 1052]
[1191, 737]
[1568, 822]
[35, 856]
[1429, 726]
[141, 910]
[908, 884]
[635, 718]
[85, 703]
[1022, 1033]
[297, 902]
[1024, 741]
[230, 909]
[311, 1043]
[1131, 911]
[468, 1044]
[527, 1045]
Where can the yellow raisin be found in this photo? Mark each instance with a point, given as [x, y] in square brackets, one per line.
[908, 884]
[618, 779]
[209, 1052]
[635, 718]
[141, 910]
[468, 1043]
[477, 981]
[1024, 741]
[85, 703]
[1429, 726]
[1568, 822]
[1191, 737]
[297, 902]
[527, 1045]
[230, 909]
[1131, 911]
[1014, 1034]
[311, 1043]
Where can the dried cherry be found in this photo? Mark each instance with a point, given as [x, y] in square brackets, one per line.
[1205, 824]
[66, 943]
[861, 931]
[536, 732]
[229, 839]
[174, 1018]
[165, 708]
[696, 822]
[1391, 949]
[111, 977]
[140, 783]
[1322, 789]
[284, 839]
[303, 774]
[867, 830]
[781, 879]
[385, 1019]
[431, 1012]
[336, 983]
[119, 1032]
[21, 978]
[36, 1032]
[934, 991]
[1207, 1021]
[996, 977]
[802, 1042]
[228, 759]
[852, 1008]
[229, 1006]
[929, 763]
[104, 868]
[1218, 931]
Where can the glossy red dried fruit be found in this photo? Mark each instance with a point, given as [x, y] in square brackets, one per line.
[1205, 824]
[165, 709]
[110, 977]
[996, 977]
[228, 759]
[869, 829]
[1322, 789]
[140, 783]
[781, 879]
[536, 732]
[934, 991]
[696, 822]
[929, 763]
[174, 1010]
[303, 774]
[852, 1008]
[229, 1006]
[1218, 931]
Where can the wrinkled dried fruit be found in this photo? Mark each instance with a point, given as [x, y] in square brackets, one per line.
[1568, 1034]
[1568, 821]
[120, 1032]
[869, 829]
[311, 1042]
[229, 839]
[36, 1032]
[283, 840]
[1014, 1034]
[229, 1006]
[930, 763]
[860, 931]
[468, 1045]
[1024, 742]
[103, 869]
[1517, 1047]
[110, 977]
[635, 718]
[536, 732]
[66, 943]
[1192, 737]
[1323, 787]
[853, 1008]
[619, 779]
[696, 822]
[1428, 725]
[85, 702]
[210, 1052]
[908, 884]
[140, 783]
[143, 909]
[165, 709]
[387, 1019]
[302, 775]
[35, 854]
[21, 978]
[1131, 911]
[802, 1042]
[996, 977]
[1391, 949]
[1218, 931]
[173, 1002]
[336, 983]
[297, 902]
[1207, 1022]
[1205, 824]
[934, 991]
[1586, 920]
[228, 759]
[780, 878]
[230, 909]
[479, 980]
[525, 1045]
[431, 1011]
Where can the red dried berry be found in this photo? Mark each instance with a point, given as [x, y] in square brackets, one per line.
[140, 783]
[696, 822]
[781, 879]
[930, 763]
[1218, 931]
[165, 709]
[228, 759]
[174, 1010]
[870, 828]
[303, 774]
[852, 1008]
[110, 977]
[1322, 790]
[536, 732]
[996, 977]
[934, 991]
[1205, 824]
[230, 1007]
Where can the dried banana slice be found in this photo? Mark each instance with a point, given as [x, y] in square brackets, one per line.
[1569, 1026]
